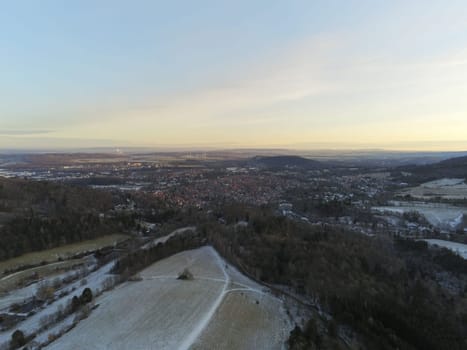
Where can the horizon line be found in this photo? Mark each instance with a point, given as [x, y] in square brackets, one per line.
[129, 149]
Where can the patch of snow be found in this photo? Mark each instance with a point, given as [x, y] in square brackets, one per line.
[439, 215]
[31, 324]
[443, 182]
[458, 248]
[209, 313]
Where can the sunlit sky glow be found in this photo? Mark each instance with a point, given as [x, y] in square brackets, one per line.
[293, 74]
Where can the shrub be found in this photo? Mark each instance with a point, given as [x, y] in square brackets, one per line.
[86, 296]
[45, 292]
[185, 275]
[17, 339]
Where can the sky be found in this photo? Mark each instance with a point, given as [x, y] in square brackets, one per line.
[234, 74]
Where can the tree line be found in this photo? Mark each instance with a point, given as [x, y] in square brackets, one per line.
[43, 215]
[388, 292]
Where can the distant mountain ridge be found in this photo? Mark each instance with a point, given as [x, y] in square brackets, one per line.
[275, 162]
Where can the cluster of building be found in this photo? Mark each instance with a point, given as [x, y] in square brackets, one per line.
[199, 189]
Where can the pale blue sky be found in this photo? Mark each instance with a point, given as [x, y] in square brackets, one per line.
[233, 73]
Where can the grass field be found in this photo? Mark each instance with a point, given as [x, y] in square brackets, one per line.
[13, 280]
[53, 255]
[245, 320]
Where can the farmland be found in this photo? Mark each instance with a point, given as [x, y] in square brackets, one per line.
[219, 307]
[34, 322]
[20, 286]
[63, 252]
[443, 188]
[13, 280]
[439, 215]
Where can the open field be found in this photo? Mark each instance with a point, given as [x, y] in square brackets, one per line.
[215, 310]
[142, 316]
[443, 188]
[439, 215]
[53, 255]
[259, 328]
[95, 281]
[18, 295]
[12, 281]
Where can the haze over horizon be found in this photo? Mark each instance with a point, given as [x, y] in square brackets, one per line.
[296, 74]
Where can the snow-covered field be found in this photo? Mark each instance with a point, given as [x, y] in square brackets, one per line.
[24, 293]
[445, 182]
[218, 309]
[257, 312]
[439, 215]
[445, 188]
[94, 281]
[14, 280]
[458, 248]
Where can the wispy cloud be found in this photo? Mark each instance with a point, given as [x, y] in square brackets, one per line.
[292, 73]
[305, 92]
[23, 132]
[49, 143]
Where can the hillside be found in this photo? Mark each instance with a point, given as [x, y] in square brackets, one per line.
[449, 168]
[368, 285]
[218, 309]
[458, 162]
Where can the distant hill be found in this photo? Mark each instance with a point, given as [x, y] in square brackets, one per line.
[449, 168]
[458, 162]
[276, 162]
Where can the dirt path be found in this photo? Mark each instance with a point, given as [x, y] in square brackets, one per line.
[165, 238]
[245, 287]
[203, 323]
[194, 335]
[33, 269]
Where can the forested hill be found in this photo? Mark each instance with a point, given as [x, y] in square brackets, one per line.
[18, 195]
[450, 168]
[389, 292]
[40, 215]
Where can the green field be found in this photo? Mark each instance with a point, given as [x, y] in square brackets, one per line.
[63, 252]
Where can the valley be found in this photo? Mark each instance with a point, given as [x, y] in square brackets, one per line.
[203, 252]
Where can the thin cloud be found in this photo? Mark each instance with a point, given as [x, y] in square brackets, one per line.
[23, 132]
